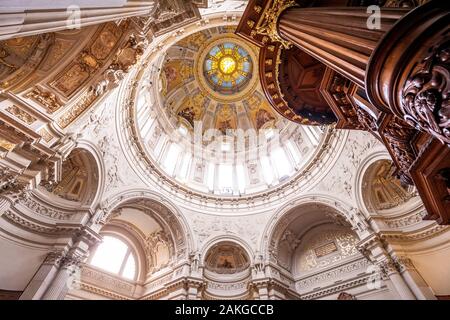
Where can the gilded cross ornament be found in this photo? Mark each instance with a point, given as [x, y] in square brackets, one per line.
[268, 24]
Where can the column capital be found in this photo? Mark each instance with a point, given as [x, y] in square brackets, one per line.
[403, 263]
[54, 258]
[388, 267]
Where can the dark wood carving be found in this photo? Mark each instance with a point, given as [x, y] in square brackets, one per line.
[431, 176]
[414, 84]
[338, 92]
[399, 88]
[300, 76]
[425, 99]
[10, 295]
[346, 296]
[397, 136]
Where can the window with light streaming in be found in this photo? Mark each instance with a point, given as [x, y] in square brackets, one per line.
[281, 163]
[115, 256]
[171, 159]
[225, 178]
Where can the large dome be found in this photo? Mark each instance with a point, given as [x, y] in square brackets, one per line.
[217, 133]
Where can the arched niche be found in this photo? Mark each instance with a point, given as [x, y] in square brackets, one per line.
[381, 190]
[315, 244]
[226, 258]
[79, 180]
[163, 232]
[291, 229]
[227, 270]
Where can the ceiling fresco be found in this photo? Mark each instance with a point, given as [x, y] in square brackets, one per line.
[211, 77]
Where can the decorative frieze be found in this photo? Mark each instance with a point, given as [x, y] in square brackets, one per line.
[333, 274]
[41, 209]
[409, 220]
[91, 276]
[21, 114]
[46, 99]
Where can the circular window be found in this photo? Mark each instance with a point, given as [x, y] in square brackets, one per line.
[227, 68]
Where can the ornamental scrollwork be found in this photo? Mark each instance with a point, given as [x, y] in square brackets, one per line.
[425, 96]
[10, 183]
[398, 136]
[268, 27]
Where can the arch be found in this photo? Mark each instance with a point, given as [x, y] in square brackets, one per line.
[82, 174]
[380, 154]
[360, 178]
[229, 276]
[226, 257]
[161, 209]
[334, 209]
[100, 164]
[239, 242]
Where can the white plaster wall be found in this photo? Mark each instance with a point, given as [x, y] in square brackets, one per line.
[18, 264]
[434, 267]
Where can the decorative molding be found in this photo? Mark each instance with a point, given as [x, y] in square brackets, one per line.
[78, 108]
[102, 292]
[104, 281]
[54, 230]
[45, 98]
[21, 114]
[314, 281]
[337, 288]
[398, 136]
[39, 208]
[406, 221]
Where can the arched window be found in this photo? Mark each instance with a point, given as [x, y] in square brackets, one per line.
[115, 256]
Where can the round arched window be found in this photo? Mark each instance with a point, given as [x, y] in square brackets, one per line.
[115, 256]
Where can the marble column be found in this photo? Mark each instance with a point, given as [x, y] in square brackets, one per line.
[414, 280]
[391, 274]
[60, 284]
[43, 277]
[54, 277]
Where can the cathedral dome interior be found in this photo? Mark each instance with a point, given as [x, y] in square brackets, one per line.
[206, 92]
[224, 150]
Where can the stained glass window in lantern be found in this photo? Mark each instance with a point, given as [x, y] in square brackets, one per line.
[227, 68]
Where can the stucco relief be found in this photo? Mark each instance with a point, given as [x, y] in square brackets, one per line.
[37, 207]
[247, 227]
[326, 248]
[99, 126]
[340, 179]
[159, 250]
